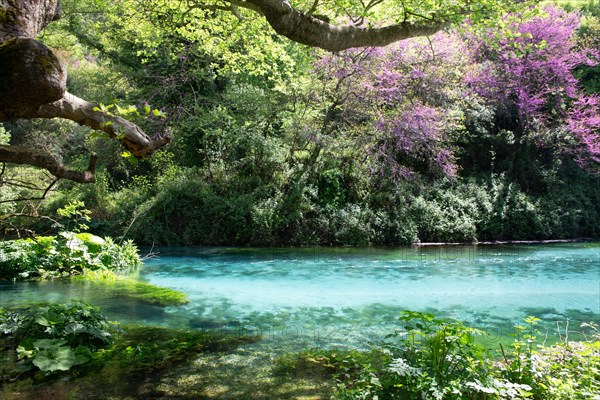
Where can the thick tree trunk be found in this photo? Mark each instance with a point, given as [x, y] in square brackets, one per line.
[26, 18]
[33, 85]
[30, 76]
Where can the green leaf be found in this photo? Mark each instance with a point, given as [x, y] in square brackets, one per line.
[158, 113]
[42, 320]
[55, 359]
[49, 343]
[129, 157]
[23, 352]
[83, 354]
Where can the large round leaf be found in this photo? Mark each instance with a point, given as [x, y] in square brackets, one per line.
[55, 359]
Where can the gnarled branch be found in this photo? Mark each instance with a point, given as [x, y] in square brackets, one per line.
[33, 85]
[307, 29]
[36, 158]
[85, 113]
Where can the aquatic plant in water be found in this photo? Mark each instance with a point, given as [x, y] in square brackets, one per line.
[126, 287]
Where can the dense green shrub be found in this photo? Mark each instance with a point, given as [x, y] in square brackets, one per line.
[186, 208]
[446, 217]
[188, 211]
[55, 337]
[431, 358]
[65, 254]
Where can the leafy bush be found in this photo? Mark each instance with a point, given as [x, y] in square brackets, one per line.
[56, 337]
[188, 211]
[569, 370]
[63, 255]
[447, 217]
[431, 358]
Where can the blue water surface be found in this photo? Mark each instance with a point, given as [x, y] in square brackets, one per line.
[353, 297]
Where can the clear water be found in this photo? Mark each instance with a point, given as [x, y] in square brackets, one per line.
[352, 297]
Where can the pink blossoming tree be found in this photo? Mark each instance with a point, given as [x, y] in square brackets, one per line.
[525, 70]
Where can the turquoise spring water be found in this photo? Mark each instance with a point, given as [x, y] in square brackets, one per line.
[352, 297]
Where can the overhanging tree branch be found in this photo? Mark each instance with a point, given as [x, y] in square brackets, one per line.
[306, 29]
[36, 158]
[33, 81]
[87, 114]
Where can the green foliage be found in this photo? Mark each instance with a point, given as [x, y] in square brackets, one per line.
[440, 359]
[57, 337]
[430, 357]
[564, 371]
[63, 255]
[269, 149]
[51, 355]
[340, 364]
[446, 216]
[498, 209]
[193, 213]
[75, 213]
[589, 35]
[4, 135]
[69, 337]
[230, 210]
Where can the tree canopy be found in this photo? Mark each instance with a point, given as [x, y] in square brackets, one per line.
[484, 130]
[33, 81]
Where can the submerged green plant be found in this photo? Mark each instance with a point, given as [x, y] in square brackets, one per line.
[131, 288]
[145, 348]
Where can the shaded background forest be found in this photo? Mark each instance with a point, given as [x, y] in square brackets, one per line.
[469, 135]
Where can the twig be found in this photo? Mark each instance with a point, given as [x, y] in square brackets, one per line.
[151, 255]
[504, 355]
